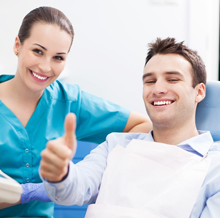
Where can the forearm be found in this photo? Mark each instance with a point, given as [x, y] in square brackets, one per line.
[76, 189]
[62, 192]
[5, 205]
[83, 180]
[138, 123]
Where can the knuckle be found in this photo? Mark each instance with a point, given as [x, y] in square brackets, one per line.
[64, 164]
[44, 174]
[50, 145]
[63, 171]
[43, 153]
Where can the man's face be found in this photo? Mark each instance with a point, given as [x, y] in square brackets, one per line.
[168, 94]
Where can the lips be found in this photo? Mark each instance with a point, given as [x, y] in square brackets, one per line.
[38, 76]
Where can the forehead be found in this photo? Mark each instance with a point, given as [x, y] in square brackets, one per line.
[50, 36]
[161, 64]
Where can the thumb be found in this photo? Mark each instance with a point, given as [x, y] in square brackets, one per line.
[70, 127]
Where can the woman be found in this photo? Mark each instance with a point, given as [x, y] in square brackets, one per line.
[33, 105]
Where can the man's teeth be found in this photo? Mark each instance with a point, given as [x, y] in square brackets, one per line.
[162, 102]
[39, 77]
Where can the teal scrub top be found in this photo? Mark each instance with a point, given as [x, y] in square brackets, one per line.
[20, 147]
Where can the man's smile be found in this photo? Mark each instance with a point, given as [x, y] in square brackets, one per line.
[161, 103]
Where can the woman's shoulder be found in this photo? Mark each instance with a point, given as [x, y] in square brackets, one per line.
[63, 91]
[4, 77]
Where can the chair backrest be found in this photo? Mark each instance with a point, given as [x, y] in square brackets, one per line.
[208, 111]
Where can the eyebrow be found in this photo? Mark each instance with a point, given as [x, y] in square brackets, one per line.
[166, 73]
[59, 53]
[41, 46]
[174, 73]
[146, 75]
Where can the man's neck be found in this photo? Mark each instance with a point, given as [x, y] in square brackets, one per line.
[174, 136]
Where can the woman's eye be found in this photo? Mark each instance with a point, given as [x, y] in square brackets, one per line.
[38, 51]
[59, 58]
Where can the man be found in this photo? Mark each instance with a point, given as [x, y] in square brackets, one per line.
[171, 172]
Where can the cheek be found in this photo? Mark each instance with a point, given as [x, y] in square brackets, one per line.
[143, 93]
[58, 68]
[146, 92]
[28, 60]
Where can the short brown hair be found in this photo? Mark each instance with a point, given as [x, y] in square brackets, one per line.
[47, 15]
[170, 46]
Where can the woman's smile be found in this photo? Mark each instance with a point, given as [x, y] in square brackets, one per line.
[38, 77]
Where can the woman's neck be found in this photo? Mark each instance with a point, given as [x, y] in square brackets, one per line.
[19, 99]
[17, 88]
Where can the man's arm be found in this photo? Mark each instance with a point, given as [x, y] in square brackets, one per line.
[212, 208]
[138, 123]
[65, 182]
[81, 184]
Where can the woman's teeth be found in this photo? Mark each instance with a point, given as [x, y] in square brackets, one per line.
[39, 77]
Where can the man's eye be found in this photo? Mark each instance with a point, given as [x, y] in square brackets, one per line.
[37, 51]
[173, 80]
[59, 58]
[149, 81]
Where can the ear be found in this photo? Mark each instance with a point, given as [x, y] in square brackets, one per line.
[200, 92]
[17, 45]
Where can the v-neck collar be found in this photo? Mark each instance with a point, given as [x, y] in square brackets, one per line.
[12, 118]
[35, 117]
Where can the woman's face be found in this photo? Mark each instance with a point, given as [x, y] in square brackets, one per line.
[42, 56]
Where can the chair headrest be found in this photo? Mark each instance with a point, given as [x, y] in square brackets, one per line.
[208, 110]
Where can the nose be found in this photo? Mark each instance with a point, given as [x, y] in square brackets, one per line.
[45, 65]
[160, 87]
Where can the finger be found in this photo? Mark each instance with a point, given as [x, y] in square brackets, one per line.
[70, 127]
[54, 147]
[50, 176]
[50, 169]
[53, 161]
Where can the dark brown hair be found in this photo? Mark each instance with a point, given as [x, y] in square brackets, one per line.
[170, 46]
[47, 15]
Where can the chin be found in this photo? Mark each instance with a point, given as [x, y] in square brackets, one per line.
[162, 123]
[36, 89]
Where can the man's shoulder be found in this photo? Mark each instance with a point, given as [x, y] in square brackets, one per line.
[214, 150]
[214, 155]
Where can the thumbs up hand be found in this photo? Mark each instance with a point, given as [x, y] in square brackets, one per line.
[57, 154]
[69, 136]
